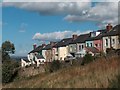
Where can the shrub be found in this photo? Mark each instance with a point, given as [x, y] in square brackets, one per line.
[54, 66]
[87, 59]
[110, 50]
[8, 71]
[115, 83]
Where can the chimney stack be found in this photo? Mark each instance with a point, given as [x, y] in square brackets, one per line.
[52, 43]
[34, 46]
[43, 45]
[109, 27]
[74, 36]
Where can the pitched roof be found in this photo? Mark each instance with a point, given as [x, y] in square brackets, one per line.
[81, 38]
[92, 49]
[64, 42]
[39, 56]
[39, 48]
[102, 33]
[25, 59]
[95, 38]
[48, 46]
[114, 31]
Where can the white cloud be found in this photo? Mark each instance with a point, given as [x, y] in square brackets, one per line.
[60, 0]
[51, 8]
[102, 13]
[56, 36]
[45, 0]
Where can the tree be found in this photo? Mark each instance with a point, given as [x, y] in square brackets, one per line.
[8, 47]
[8, 65]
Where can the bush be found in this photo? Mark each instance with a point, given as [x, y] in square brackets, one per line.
[8, 71]
[110, 50]
[54, 66]
[87, 59]
[115, 83]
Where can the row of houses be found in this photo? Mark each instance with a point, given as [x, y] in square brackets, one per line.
[78, 45]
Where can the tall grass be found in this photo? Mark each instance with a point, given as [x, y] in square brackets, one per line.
[97, 74]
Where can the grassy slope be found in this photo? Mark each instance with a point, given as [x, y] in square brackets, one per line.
[94, 75]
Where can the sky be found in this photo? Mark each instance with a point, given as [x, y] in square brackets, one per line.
[26, 23]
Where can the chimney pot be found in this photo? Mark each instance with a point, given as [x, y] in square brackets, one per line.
[43, 45]
[34, 46]
[52, 43]
[109, 27]
[74, 36]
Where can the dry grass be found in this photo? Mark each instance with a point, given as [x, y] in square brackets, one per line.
[94, 75]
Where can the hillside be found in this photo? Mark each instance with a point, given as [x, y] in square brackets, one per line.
[97, 74]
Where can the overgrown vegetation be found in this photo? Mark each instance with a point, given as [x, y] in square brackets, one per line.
[87, 59]
[110, 51]
[8, 70]
[54, 66]
[8, 65]
[97, 74]
[115, 83]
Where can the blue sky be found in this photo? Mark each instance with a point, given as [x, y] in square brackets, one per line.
[31, 24]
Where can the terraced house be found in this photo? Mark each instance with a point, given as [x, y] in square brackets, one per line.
[63, 46]
[49, 51]
[77, 46]
[94, 43]
[111, 38]
[72, 47]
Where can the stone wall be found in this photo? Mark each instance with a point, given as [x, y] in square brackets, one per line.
[31, 71]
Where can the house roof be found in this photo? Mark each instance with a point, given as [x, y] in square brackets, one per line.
[64, 42]
[48, 46]
[81, 38]
[95, 38]
[39, 48]
[115, 31]
[25, 59]
[102, 33]
[92, 49]
[39, 56]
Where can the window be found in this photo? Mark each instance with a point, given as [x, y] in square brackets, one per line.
[79, 47]
[106, 42]
[82, 46]
[91, 44]
[87, 44]
[113, 41]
